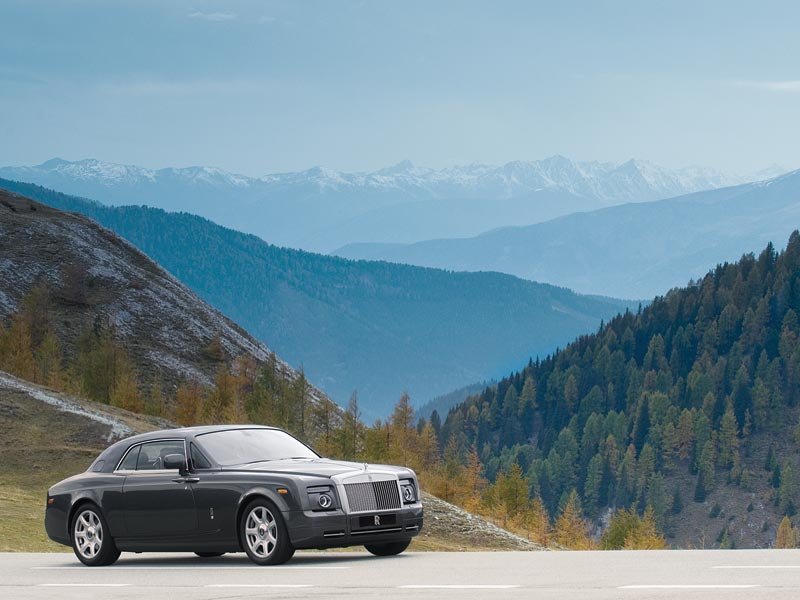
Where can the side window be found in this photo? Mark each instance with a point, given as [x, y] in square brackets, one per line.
[199, 461]
[151, 454]
[129, 464]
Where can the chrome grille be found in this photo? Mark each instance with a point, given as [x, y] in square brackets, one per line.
[374, 495]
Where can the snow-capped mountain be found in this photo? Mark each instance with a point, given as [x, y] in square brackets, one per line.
[321, 209]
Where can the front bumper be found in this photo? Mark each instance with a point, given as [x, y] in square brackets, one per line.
[336, 529]
[55, 521]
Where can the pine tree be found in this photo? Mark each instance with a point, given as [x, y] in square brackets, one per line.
[677, 501]
[728, 440]
[787, 491]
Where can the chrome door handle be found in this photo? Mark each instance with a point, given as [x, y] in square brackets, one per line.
[187, 480]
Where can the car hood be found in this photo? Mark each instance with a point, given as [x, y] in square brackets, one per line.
[316, 467]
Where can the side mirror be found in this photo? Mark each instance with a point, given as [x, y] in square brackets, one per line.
[176, 461]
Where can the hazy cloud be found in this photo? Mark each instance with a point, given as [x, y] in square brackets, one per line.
[185, 87]
[215, 17]
[789, 85]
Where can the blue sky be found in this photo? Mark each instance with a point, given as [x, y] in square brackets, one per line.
[258, 87]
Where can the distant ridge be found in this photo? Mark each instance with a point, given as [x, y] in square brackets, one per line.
[321, 209]
[633, 250]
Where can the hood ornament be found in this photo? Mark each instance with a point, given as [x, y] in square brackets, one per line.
[366, 466]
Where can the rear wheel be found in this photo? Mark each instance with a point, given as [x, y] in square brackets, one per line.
[91, 539]
[264, 535]
[209, 554]
[390, 549]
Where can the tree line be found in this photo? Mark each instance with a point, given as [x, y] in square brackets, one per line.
[683, 385]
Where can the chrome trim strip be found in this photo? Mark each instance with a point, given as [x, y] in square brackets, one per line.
[373, 531]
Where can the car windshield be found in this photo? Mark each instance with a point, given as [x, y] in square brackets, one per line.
[243, 446]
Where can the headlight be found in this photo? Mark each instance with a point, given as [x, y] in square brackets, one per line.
[321, 497]
[409, 491]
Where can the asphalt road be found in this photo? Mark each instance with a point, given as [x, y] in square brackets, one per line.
[729, 574]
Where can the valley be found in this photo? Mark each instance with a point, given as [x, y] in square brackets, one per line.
[371, 327]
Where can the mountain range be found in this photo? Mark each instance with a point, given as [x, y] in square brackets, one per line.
[380, 328]
[635, 250]
[320, 209]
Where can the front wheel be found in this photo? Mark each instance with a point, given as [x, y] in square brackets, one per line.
[264, 535]
[390, 549]
[91, 539]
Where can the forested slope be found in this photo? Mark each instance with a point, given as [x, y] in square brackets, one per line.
[688, 406]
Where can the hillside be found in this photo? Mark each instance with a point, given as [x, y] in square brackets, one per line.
[632, 251]
[689, 407]
[319, 209]
[49, 436]
[376, 327]
[91, 283]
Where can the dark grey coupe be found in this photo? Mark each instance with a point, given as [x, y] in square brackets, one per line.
[217, 489]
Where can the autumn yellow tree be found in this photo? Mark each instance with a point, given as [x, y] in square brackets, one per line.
[125, 388]
[188, 399]
[534, 522]
[786, 537]
[16, 349]
[571, 530]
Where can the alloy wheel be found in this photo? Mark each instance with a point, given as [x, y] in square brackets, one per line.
[261, 531]
[88, 534]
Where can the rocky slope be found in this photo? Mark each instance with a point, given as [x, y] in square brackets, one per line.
[97, 277]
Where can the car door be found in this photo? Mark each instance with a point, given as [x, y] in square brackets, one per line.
[157, 502]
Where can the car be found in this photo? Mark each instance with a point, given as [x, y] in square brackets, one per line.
[212, 490]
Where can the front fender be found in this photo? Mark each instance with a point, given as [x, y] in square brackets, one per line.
[270, 493]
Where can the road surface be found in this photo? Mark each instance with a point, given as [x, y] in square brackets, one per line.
[702, 574]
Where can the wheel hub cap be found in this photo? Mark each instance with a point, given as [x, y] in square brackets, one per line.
[88, 534]
[261, 532]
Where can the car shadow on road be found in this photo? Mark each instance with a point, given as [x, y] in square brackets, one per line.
[311, 558]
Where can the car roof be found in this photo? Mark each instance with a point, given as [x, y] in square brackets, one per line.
[111, 455]
[185, 432]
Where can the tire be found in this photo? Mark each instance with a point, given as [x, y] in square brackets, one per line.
[209, 554]
[91, 538]
[390, 549]
[263, 533]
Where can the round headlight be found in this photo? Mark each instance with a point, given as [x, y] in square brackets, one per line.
[325, 501]
[408, 493]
